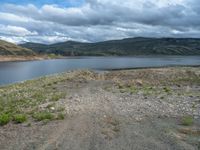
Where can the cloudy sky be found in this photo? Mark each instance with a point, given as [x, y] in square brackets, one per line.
[51, 21]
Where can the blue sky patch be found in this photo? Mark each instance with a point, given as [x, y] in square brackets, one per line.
[62, 3]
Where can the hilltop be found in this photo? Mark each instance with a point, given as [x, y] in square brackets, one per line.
[7, 48]
[124, 47]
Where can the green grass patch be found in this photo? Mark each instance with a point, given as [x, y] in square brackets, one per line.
[132, 89]
[187, 121]
[4, 119]
[39, 116]
[19, 118]
[147, 90]
[58, 96]
[23, 100]
[39, 96]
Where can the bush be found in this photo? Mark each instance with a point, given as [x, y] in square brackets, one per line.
[43, 116]
[4, 119]
[187, 121]
[19, 118]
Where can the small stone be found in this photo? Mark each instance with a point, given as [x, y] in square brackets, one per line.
[138, 119]
[139, 82]
[52, 108]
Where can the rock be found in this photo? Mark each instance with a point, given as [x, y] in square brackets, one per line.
[52, 108]
[139, 82]
[138, 119]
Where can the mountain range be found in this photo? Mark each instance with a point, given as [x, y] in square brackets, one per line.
[124, 47]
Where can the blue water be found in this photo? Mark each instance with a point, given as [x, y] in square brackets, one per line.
[11, 72]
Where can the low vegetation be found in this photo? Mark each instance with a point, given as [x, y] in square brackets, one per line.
[156, 81]
[4, 119]
[187, 121]
[41, 99]
[39, 116]
[26, 101]
[36, 100]
[19, 118]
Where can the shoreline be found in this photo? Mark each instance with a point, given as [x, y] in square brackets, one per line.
[97, 71]
[20, 58]
[11, 58]
[27, 58]
[156, 67]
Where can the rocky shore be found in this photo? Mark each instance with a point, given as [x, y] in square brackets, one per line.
[128, 109]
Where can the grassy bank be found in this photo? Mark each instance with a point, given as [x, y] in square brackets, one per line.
[24, 101]
[39, 100]
[36, 100]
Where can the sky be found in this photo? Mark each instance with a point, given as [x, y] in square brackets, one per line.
[52, 21]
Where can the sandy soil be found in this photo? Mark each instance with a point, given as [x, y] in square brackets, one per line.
[118, 110]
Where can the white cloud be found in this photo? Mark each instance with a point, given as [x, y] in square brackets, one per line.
[98, 20]
[13, 39]
[16, 31]
[9, 17]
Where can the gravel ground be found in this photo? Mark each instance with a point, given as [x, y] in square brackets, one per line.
[118, 110]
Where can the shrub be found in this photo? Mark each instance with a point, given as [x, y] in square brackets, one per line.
[60, 116]
[4, 119]
[167, 89]
[43, 116]
[19, 118]
[187, 121]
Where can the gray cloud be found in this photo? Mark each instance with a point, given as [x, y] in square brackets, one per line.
[98, 20]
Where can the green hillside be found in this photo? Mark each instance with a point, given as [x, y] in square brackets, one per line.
[7, 48]
[124, 47]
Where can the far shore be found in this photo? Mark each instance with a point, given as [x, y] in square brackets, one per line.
[20, 58]
[26, 58]
[13, 58]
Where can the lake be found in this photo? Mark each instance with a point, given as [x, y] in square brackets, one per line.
[11, 72]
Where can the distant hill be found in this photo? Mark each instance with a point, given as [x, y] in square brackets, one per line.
[7, 48]
[124, 47]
